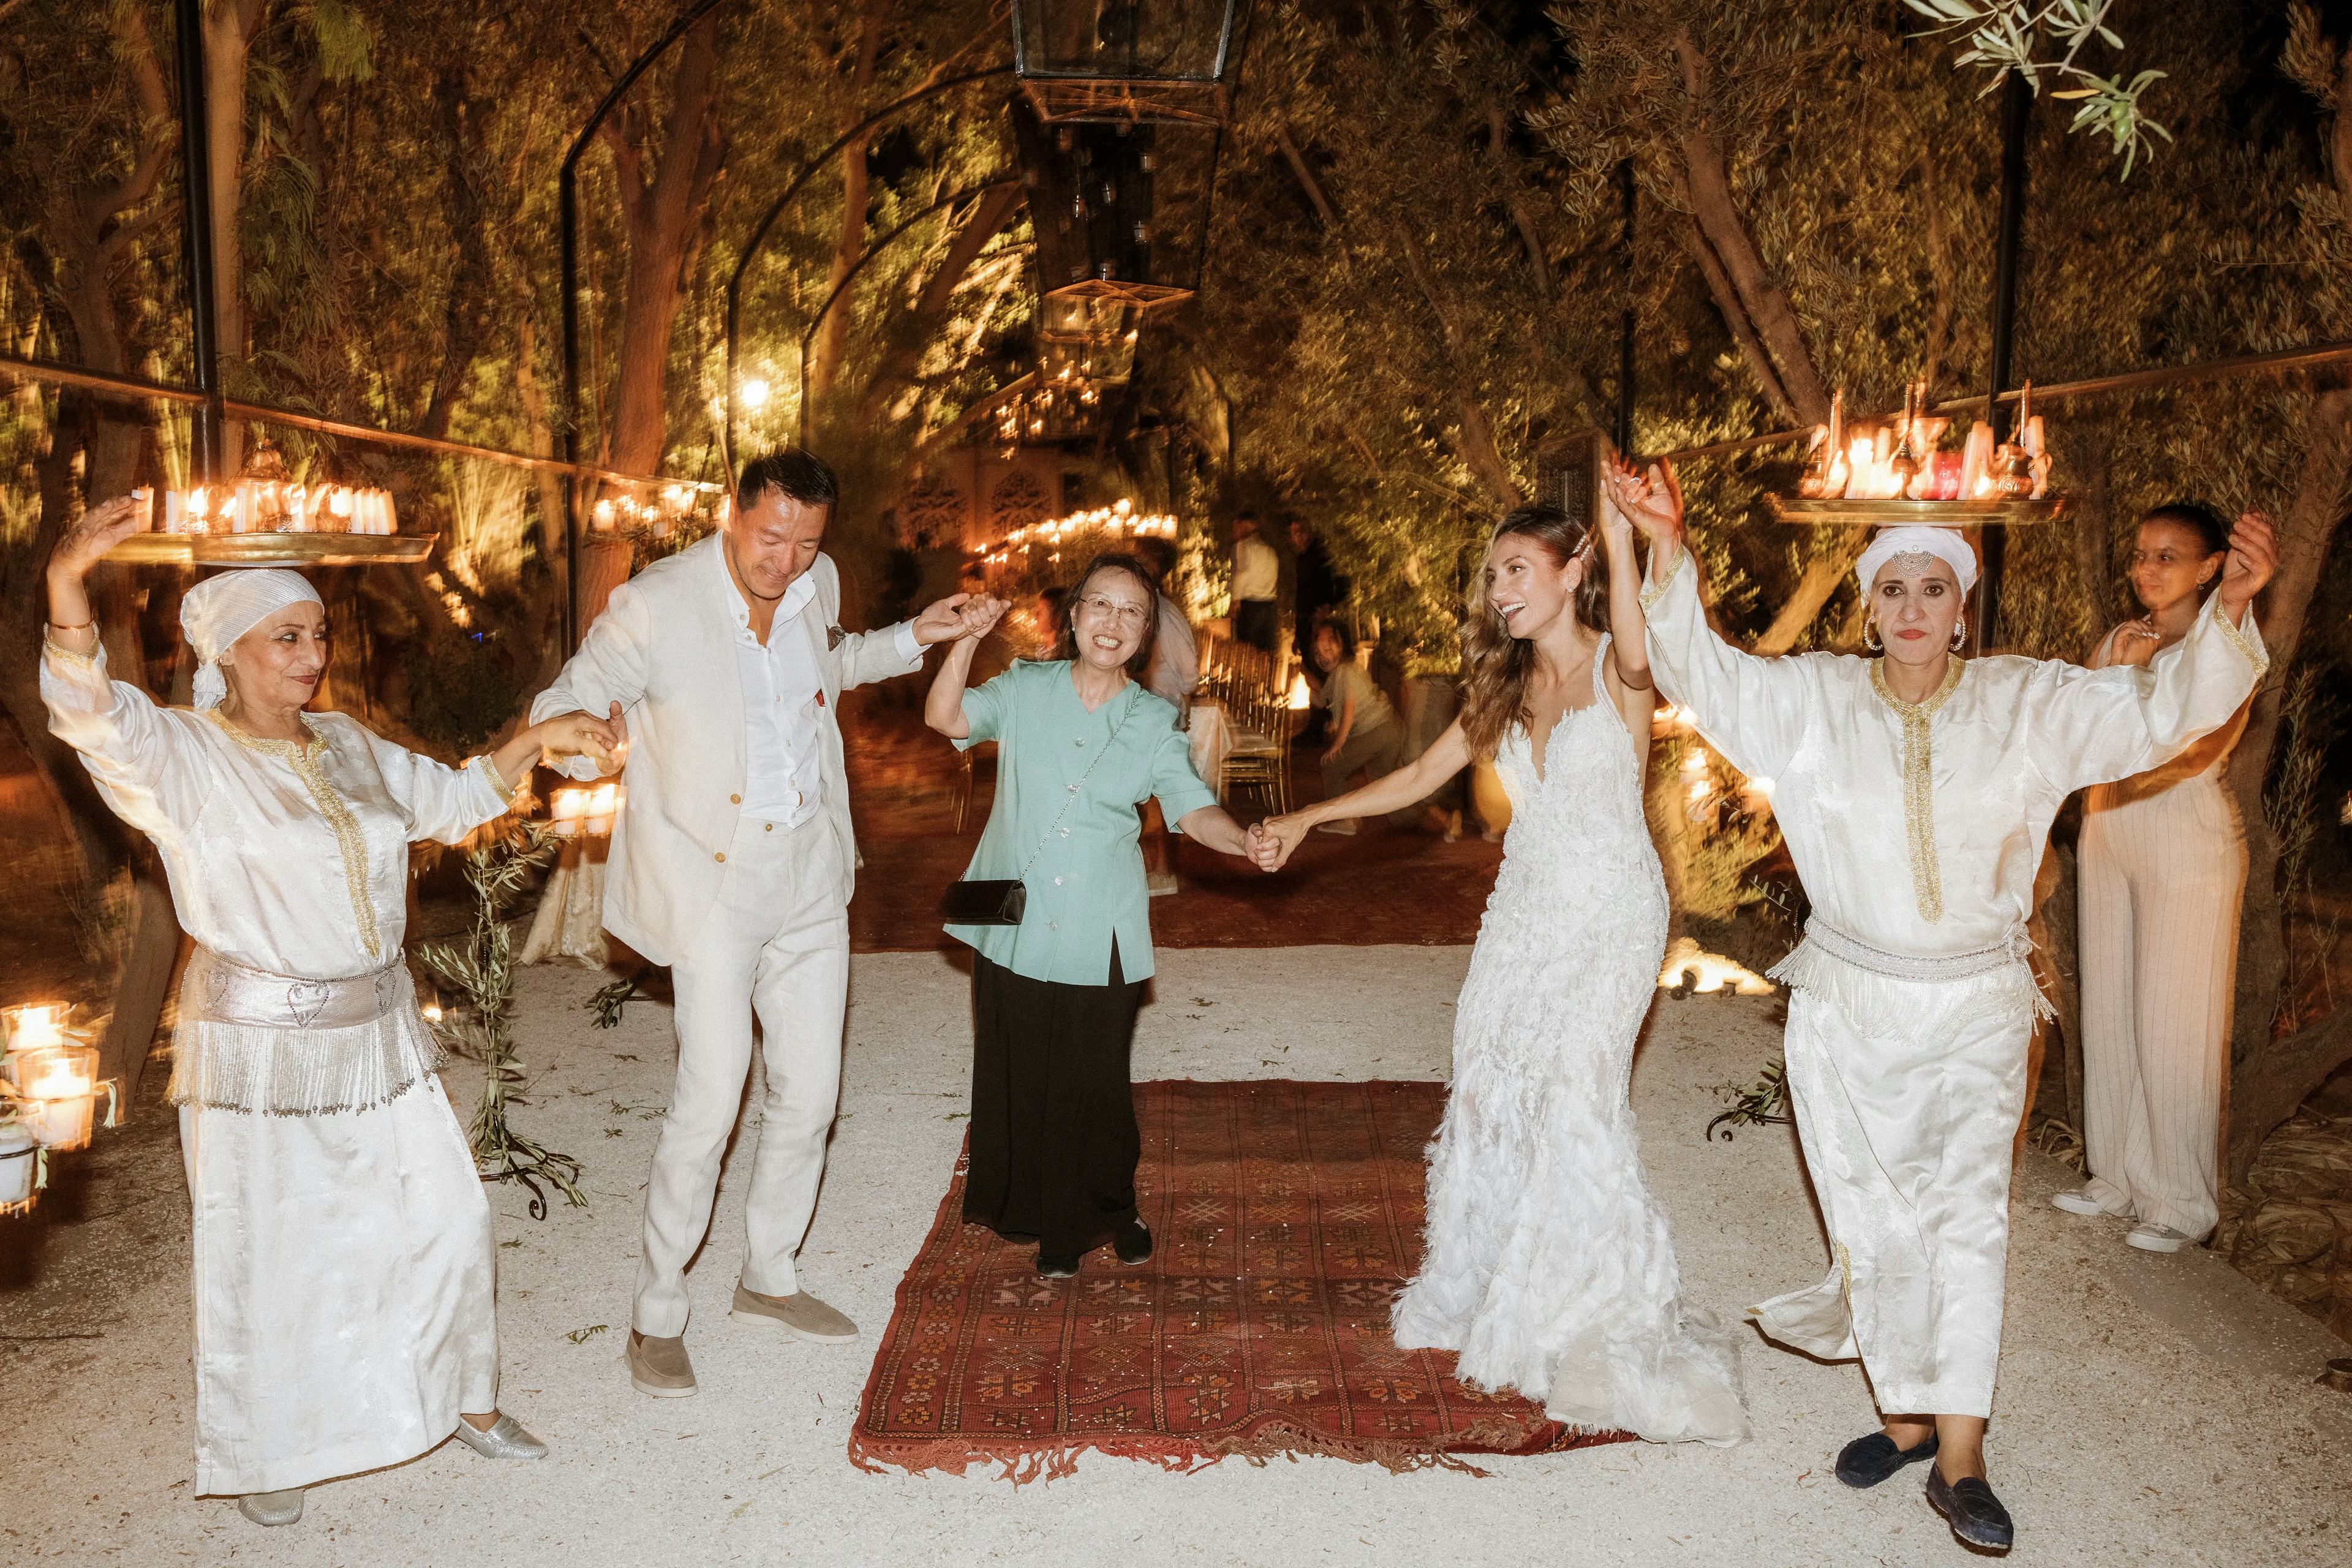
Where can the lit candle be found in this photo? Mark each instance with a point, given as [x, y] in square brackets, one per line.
[29, 1028]
[339, 511]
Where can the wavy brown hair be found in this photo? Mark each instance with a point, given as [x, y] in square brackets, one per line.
[1496, 666]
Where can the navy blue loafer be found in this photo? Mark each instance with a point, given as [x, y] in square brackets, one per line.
[1867, 1462]
[1975, 1515]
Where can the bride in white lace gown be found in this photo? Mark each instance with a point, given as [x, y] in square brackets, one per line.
[1549, 1266]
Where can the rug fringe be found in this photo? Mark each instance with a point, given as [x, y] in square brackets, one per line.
[1021, 1461]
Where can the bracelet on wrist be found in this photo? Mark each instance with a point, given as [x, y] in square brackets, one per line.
[74, 626]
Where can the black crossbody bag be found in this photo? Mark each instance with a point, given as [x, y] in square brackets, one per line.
[1003, 902]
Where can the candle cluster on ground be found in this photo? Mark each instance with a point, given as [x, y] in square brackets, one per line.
[1115, 523]
[272, 506]
[49, 1098]
[1904, 458]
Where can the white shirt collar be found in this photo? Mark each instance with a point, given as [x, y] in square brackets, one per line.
[794, 601]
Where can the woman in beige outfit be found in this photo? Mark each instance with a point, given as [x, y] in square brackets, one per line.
[2163, 870]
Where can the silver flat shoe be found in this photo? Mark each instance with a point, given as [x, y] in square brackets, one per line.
[272, 1507]
[506, 1439]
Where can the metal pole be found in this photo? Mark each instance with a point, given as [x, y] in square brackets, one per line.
[2016, 119]
[206, 451]
[1625, 325]
[567, 232]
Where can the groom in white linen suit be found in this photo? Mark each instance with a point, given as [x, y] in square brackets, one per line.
[732, 863]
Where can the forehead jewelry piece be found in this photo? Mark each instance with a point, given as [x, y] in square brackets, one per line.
[1912, 561]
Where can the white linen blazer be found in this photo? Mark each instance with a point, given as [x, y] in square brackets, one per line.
[663, 649]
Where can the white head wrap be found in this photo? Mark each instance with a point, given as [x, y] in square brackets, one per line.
[223, 608]
[1946, 545]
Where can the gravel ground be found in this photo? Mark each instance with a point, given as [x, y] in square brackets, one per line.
[2152, 1409]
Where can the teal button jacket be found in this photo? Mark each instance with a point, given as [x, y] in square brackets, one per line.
[1087, 881]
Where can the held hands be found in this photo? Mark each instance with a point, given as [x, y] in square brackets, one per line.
[959, 617]
[2253, 556]
[578, 734]
[1272, 841]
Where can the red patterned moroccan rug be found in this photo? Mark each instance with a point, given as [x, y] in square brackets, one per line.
[1286, 1217]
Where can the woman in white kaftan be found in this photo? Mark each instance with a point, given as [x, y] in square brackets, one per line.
[343, 1280]
[1916, 827]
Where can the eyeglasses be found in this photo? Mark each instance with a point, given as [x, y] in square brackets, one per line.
[1125, 615]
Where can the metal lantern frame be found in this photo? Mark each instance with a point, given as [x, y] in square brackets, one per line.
[1136, 61]
[1122, 212]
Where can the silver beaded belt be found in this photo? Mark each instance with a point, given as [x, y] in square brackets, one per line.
[225, 991]
[1850, 949]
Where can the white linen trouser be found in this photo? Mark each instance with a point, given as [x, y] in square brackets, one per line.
[1908, 1096]
[777, 944]
[2161, 881]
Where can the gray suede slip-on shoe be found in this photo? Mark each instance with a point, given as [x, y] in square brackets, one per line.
[658, 1365]
[802, 1315]
[272, 1507]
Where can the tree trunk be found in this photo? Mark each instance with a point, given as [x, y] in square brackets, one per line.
[849, 246]
[229, 29]
[2269, 1078]
[662, 214]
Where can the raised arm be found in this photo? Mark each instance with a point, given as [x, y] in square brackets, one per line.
[1631, 686]
[1754, 711]
[943, 705]
[1415, 780]
[2086, 727]
[124, 739]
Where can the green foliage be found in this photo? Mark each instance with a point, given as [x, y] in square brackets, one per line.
[480, 967]
[2005, 35]
[461, 692]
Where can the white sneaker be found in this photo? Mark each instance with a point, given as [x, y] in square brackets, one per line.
[2077, 1200]
[2150, 1237]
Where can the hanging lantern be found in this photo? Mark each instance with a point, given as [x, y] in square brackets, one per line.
[1140, 62]
[1086, 344]
[1121, 211]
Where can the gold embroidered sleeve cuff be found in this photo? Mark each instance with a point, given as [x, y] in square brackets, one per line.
[497, 780]
[2237, 637]
[1652, 591]
[69, 659]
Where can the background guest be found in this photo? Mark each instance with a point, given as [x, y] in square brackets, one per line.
[1367, 736]
[1079, 744]
[1317, 595]
[2163, 868]
[1257, 572]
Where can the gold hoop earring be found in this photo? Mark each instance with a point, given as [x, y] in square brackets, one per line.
[1870, 635]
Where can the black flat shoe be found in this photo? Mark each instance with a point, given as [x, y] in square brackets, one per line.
[1056, 1268]
[1867, 1462]
[1133, 1242]
[1968, 1506]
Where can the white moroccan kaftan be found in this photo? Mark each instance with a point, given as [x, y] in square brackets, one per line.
[344, 1291]
[1916, 830]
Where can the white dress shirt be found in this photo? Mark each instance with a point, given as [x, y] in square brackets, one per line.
[783, 698]
[1256, 569]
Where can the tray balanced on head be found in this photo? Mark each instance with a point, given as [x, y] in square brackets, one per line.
[275, 549]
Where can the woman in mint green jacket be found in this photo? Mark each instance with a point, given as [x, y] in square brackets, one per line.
[1080, 743]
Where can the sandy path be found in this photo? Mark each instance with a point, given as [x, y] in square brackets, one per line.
[2153, 1410]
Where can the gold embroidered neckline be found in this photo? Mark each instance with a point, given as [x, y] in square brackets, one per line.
[1919, 781]
[303, 756]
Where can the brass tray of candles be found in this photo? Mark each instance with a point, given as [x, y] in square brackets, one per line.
[1895, 512]
[275, 549]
